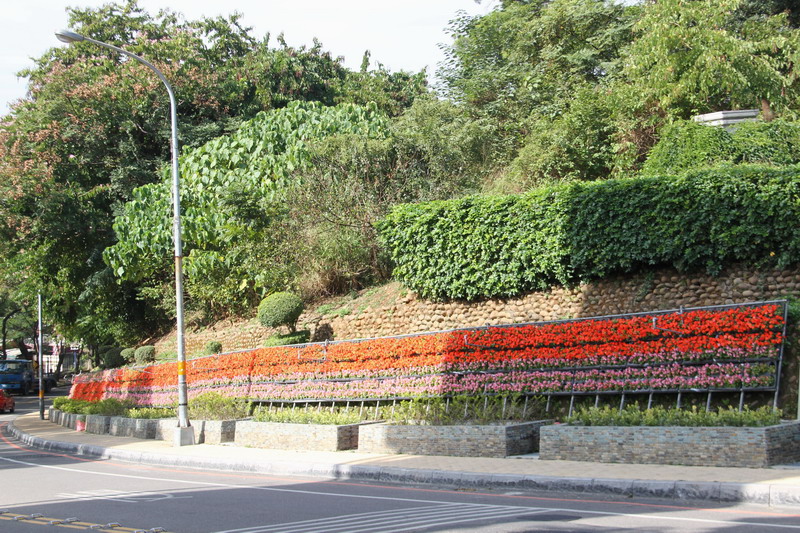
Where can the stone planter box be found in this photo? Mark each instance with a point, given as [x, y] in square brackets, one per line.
[463, 441]
[132, 427]
[754, 447]
[205, 431]
[281, 436]
[97, 424]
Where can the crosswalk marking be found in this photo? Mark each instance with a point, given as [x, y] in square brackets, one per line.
[395, 520]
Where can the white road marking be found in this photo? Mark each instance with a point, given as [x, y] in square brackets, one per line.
[395, 499]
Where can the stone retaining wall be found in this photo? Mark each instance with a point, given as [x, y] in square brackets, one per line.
[462, 441]
[282, 436]
[755, 447]
[396, 311]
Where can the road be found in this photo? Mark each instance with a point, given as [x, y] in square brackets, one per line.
[40, 490]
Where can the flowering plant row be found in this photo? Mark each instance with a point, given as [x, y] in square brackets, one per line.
[730, 348]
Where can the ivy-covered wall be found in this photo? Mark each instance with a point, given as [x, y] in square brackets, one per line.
[506, 246]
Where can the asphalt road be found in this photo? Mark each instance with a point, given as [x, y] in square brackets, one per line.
[40, 491]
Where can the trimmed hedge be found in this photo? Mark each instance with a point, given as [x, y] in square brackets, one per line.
[502, 246]
[279, 309]
[145, 354]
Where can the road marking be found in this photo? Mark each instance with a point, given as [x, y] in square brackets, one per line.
[525, 510]
[394, 520]
[119, 496]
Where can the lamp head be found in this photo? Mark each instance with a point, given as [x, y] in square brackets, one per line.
[69, 37]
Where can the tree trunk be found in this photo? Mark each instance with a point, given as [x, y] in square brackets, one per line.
[4, 354]
[766, 111]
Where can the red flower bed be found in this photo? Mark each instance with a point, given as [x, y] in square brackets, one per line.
[516, 358]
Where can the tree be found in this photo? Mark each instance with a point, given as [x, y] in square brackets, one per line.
[527, 58]
[697, 57]
[95, 127]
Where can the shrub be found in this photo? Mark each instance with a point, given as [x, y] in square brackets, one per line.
[213, 347]
[151, 412]
[337, 417]
[280, 309]
[502, 246]
[107, 407]
[112, 358]
[687, 145]
[145, 355]
[463, 410]
[632, 415]
[298, 337]
[70, 406]
[215, 406]
[129, 354]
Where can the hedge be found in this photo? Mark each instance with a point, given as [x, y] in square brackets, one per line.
[503, 246]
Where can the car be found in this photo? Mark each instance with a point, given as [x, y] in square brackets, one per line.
[7, 402]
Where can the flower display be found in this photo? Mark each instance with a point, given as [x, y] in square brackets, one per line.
[729, 348]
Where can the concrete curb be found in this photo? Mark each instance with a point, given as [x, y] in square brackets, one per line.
[714, 491]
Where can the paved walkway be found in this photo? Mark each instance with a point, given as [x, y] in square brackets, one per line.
[773, 486]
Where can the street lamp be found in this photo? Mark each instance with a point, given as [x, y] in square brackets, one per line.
[184, 434]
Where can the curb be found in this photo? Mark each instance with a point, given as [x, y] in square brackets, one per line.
[713, 491]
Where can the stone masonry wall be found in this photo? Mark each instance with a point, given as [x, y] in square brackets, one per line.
[401, 312]
[463, 441]
[754, 447]
[281, 436]
[664, 289]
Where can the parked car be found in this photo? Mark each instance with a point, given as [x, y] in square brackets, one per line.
[7, 402]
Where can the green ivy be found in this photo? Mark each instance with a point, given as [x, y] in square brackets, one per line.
[502, 246]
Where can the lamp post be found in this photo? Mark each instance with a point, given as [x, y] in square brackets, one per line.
[184, 434]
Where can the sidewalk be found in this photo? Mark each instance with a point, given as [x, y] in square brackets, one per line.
[770, 486]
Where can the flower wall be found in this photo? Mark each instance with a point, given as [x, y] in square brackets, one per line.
[730, 348]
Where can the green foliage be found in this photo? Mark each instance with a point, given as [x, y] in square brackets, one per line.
[529, 57]
[215, 406]
[280, 309]
[575, 146]
[296, 337]
[480, 247]
[95, 127]
[151, 412]
[112, 358]
[337, 416]
[145, 355]
[464, 410]
[128, 354]
[698, 57]
[107, 407]
[232, 191]
[687, 145]
[632, 415]
[433, 151]
[213, 347]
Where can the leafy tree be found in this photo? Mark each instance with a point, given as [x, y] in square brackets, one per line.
[529, 57]
[696, 57]
[232, 189]
[95, 126]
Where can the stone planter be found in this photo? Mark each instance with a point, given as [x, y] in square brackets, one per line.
[463, 441]
[205, 431]
[132, 427]
[97, 424]
[318, 437]
[754, 447]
